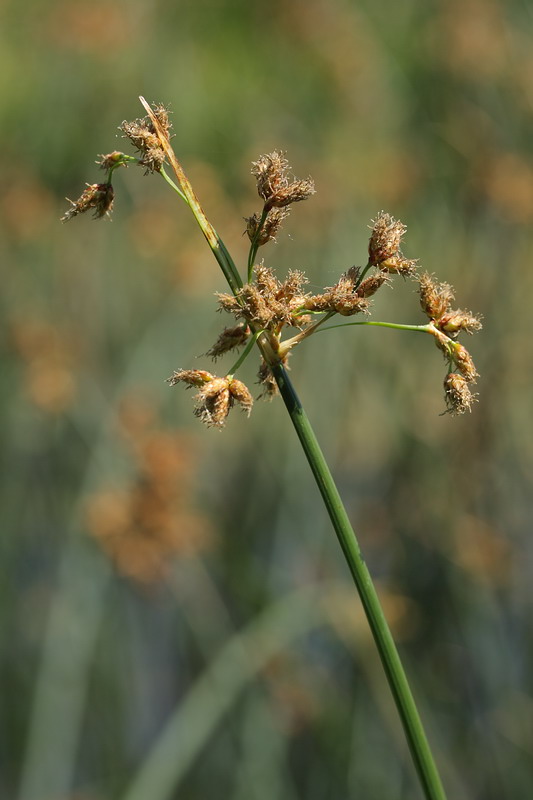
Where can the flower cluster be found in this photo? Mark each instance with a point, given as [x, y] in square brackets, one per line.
[143, 136]
[278, 193]
[216, 396]
[446, 323]
[97, 196]
[384, 246]
[262, 304]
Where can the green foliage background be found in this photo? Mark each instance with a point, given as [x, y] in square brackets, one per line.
[136, 545]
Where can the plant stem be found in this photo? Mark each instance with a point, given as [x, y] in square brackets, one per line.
[245, 352]
[255, 244]
[396, 325]
[416, 738]
[414, 731]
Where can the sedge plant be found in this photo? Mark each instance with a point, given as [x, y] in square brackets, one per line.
[264, 308]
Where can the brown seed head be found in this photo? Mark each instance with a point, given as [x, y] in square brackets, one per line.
[340, 298]
[97, 196]
[241, 394]
[457, 394]
[464, 362]
[270, 173]
[370, 285]
[270, 228]
[229, 339]
[293, 193]
[111, 160]
[192, 377]
[385, 239]
[144, 138]
[435, 298]
[399, 265]
[267, 382]
[213, 402]
[273, 184]
[455, 321]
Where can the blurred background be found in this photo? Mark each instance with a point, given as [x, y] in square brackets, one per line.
[177, 618]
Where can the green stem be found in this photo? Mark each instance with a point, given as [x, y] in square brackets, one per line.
[395, 325]
[171, 183]
[414, 731]
[418, 744]
[245, 352]
[255, 244]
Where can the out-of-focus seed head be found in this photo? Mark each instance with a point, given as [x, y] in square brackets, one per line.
[112, 160]
[267, 382]
[229, 339]
[435, 298]
[457, 394]
[192, 377]
[241, 394]
[385, 238]
[97, 196]
[455, 321]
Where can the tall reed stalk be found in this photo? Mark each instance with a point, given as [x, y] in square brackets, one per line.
[263, 306]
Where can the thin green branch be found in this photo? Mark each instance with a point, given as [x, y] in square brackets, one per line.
[255, 243]
[246, 352]
[395, 325]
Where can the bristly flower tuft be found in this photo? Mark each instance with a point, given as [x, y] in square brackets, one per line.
[97, 197]
[273, 185]
[385, 239]
[144, 138]
[216, 396]
[457, 394]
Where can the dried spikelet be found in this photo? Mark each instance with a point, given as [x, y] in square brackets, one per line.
[457, 394]
[144, 138]
[241, 394]
[213, 403]
[229, 339]
[435, 298]
[370, 285]
[458, 320]
[270, 227]
[273, 184]
[464, 362]
[97, 196]
[192, 377]
[385, 238]
[267, 382]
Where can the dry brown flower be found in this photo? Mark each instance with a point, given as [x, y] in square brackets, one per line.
[216, 396]
[144, 138]
[270, 226]
[458, 320]
[97, 196]
[435, 298]
[385, 239]
[457, 394]
[229, 339]
[273, 185]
